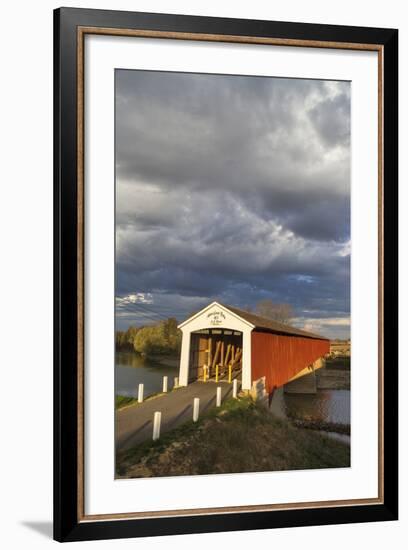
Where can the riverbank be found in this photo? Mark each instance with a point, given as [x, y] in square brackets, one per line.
[169, 360]
[320, 425]
[240, 436]
[172, 360]
[122, 401]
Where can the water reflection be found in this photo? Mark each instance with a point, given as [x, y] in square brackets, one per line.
[324, 406]
[132, 370]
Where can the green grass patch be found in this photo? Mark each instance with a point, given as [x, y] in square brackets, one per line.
[241, 436]
[123, 401]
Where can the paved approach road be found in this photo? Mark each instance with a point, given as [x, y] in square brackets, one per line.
[134, 424]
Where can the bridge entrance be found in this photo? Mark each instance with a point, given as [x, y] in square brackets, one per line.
[215, 354]
[216, 345]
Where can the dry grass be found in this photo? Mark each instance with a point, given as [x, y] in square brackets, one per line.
[242, 436]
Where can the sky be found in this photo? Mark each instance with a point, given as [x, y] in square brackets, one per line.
[235, 189]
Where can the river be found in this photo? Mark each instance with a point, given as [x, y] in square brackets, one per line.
[132, 370]
[325, 406]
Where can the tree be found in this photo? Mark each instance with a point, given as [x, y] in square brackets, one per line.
[124, 340]
[161, 338]
[148, 341]
[120, 339]
[171, 333]
[283, 313]
[131, 335]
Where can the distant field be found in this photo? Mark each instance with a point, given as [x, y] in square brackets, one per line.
[340, 347]
[339, 358]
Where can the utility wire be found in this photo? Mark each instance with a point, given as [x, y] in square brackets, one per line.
[138, 308]
[136, 313]
[160, 310]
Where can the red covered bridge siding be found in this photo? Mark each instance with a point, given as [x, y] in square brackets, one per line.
[280, 357]
[266, 348]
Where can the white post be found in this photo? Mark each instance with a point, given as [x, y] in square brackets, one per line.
[218, 401]
[156, 425]
[235, 388]
[246, 360]
[165, 384]
[184, 358]
[176, 382]
[196, 408]
[140, 393]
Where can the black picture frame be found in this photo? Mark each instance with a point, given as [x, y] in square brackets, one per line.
[67, 523]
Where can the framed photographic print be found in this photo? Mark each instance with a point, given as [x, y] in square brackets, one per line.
[225, 274]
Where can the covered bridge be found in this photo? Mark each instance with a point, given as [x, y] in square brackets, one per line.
[223, 342]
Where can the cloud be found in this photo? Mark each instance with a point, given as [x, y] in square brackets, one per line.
[332, 327]
[232, 188]
[331, 119]
[140, 297]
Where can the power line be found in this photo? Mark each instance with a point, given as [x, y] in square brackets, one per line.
[145, 308]
[138, 313]
[142, 309]
[159, 309]
[150, 315]
[149, 307]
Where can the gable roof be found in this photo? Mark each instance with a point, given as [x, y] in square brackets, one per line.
[269, 325]
[258, 322]
[218, 305]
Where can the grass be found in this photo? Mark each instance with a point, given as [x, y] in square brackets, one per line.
[241, 436]
[123, 401]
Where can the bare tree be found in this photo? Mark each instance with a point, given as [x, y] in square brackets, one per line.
[283, 313]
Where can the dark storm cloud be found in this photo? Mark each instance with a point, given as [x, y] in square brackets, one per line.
[233, 188]
[332, 120]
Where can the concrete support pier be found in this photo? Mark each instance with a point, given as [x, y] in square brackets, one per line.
[305, 384]
[305, 380]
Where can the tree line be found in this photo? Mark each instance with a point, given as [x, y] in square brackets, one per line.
[162, 338]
